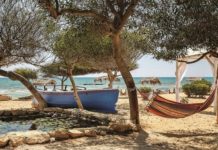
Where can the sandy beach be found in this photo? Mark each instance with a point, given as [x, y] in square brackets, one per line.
[195, 132]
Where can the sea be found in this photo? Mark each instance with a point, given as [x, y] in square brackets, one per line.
[16, 90]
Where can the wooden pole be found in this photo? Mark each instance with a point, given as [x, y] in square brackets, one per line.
[177, 81]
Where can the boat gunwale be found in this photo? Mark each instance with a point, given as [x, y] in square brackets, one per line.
[79, 91]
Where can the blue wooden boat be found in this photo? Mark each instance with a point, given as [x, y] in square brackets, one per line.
[103, 100]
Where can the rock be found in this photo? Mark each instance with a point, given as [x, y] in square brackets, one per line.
[121, 127]
[33, 126]
[26, 97]
[29, 137]
[60, 134]
[15, 138]
[52, 140]
[1, 112]
[36, 137]
[32, 111]
[3, 141]
[63, 116]
[54, 115]
[7, 113]
[5, 98]
[67, 111]
[75, 112]
[102, 133]
[103, 130]
[76, 133]
[53, 109]
[18, 112]
[90, 132]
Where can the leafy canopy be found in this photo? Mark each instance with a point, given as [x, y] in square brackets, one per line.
[179, 25]
[27, 73]
[21, 32]
[81, 45]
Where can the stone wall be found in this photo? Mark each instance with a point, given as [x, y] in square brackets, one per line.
[113, 124]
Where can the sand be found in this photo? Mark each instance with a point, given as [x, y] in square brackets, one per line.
[15, 104]
[198, 131]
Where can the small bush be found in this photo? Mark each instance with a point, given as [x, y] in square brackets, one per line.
[203, 81]
[197, 88]
[187, 89]
[145, 89]
[200, 89]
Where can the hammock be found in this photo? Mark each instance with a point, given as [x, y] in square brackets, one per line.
[144, 95]
[170, 109]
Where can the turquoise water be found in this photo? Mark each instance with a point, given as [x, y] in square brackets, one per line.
[16, 89]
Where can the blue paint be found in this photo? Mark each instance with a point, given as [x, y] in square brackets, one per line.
[97, 100]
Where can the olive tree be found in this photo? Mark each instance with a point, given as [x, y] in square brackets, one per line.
[72, 49]
[179, 25]
[102, 59]
[21, 39]
[58, 71]
[111, 17]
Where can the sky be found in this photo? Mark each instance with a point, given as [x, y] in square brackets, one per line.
[154, 68]
[149, 67]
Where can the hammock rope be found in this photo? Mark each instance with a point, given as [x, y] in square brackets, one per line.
[171, 109]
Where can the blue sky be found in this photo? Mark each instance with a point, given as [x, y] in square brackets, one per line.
[149, 67]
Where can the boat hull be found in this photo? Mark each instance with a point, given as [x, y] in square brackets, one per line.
[97, 100]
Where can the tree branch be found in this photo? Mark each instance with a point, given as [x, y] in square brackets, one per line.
[57, 5]
[54, 12]
[85, 13]
[109, 4]
[48, 5]
[128, 13]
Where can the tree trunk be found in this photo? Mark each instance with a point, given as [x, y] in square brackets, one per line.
[27, 84]
[75, 93]
[216, 97]
[110, 84]
[128, 79]
[62, 82]
[110, 79]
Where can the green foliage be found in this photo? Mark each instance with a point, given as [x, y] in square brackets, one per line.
[80, 45]
[179, 25]
[203, 81]
[51, 70]
[187, 89]
[27, 73]
[58, 69]
[75, 46]
[22, 35]
[197, 88]
[145, 89]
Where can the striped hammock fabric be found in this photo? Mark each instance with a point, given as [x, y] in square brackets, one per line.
[171, 109]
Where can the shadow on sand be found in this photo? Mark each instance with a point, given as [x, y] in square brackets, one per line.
[194, 139]
[208, 113]
[134, 141]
